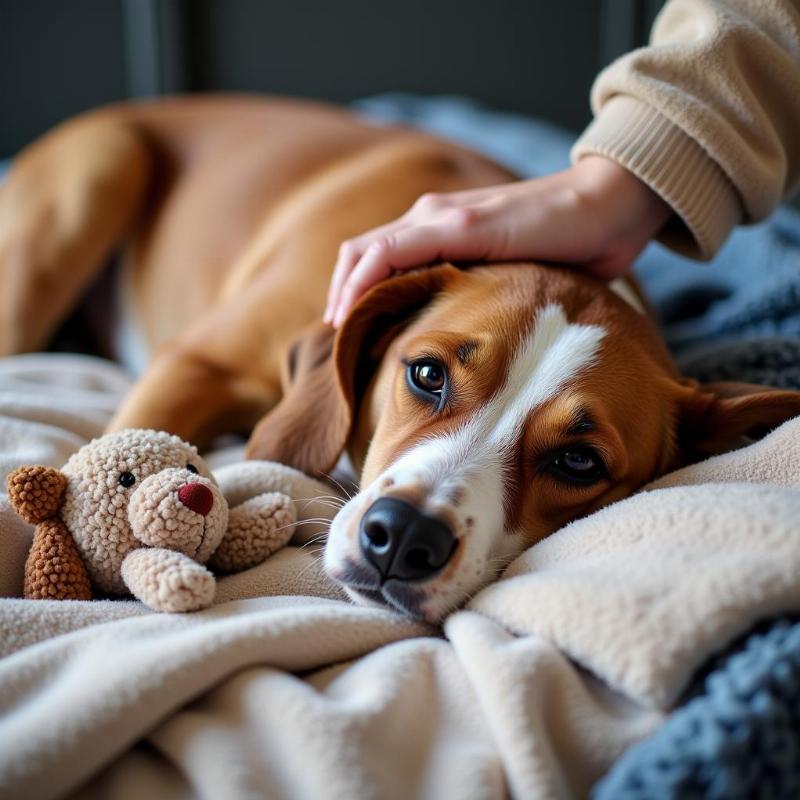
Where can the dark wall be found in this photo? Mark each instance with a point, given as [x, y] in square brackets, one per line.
[58, 57]
[526, 56]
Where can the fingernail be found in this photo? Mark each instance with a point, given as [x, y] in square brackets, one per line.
[326, 317]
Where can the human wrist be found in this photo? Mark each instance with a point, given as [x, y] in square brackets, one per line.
[660, 152]
[619, 198]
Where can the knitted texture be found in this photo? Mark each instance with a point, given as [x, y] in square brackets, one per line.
[36, 492]
[54, 569]
[168, 581]
[96, 500]
[747, 300]
[138, 512]
[771, 361]
[749, 292]
[739, 738]
[159, 518]
[257, 528]
[735, 319]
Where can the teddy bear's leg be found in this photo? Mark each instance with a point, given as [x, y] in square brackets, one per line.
[68, 200]
[256, 529]
[54, 569]
[168, 581]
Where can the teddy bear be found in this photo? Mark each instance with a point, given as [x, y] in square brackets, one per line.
[138, 512]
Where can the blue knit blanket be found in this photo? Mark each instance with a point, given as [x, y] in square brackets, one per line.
[737, 735]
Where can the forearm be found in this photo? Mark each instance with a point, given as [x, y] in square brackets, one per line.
[707, 115]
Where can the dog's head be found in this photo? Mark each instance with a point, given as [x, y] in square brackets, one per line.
[485, 409]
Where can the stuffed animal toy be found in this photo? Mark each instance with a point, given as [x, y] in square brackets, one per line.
[138, 512]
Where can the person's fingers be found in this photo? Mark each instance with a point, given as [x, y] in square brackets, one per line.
[429, 209]
[348, 257]
[350, 252]
[409, 247]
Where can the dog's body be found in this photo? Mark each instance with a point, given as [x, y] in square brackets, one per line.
[484, 408]
[222, 203]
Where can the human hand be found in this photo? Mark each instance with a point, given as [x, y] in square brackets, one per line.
[595, 213]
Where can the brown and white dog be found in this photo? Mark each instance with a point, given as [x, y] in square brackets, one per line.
[483, 408]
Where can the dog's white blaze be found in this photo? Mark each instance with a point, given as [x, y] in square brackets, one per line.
[473, 457]
[553, 354]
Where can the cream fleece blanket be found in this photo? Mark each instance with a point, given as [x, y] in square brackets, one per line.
[284, 689]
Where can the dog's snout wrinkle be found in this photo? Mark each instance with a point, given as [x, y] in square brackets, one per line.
[403, 543]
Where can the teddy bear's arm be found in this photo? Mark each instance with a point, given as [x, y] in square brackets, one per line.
[54, 569]
[315, 502]
[256, 529]
[167, 580]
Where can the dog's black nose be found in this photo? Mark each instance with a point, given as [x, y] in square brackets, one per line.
[402, 542]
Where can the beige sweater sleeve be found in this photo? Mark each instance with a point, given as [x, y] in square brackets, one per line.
[708, 115]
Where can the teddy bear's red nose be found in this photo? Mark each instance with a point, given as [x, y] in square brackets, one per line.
[197, 497]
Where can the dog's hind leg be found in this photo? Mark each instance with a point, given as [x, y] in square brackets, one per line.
[68, 199]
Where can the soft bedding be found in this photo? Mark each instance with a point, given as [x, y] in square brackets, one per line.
[738, 736]
[284, 689]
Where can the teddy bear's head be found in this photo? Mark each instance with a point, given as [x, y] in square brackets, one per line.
[131, 489]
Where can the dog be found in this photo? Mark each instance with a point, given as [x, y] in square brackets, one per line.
[482, 408]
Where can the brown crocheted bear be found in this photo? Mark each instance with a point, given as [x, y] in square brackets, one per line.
[138, 512]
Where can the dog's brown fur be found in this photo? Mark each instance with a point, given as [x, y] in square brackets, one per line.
[231, 212]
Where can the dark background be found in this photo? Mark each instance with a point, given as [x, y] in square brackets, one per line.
[59, 57]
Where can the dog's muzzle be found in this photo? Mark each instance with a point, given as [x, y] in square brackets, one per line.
[402, 543]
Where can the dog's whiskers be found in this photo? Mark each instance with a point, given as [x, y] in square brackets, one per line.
[499, 563]
[315, 540]
[349, 495]
[324, 499]
[314, 521]
[299, 522]
[325, 503]
[314, 562]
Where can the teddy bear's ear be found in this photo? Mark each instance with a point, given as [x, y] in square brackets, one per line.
[36, 493]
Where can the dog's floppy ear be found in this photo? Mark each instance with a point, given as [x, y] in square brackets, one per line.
[327, 370]
[304, 429]
[716, 417]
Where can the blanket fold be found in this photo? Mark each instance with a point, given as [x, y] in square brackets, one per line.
[576, 657]
[643, 610]
[550, 674]
[66, 698]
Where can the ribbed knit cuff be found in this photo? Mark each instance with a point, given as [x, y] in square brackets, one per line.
[639, 138]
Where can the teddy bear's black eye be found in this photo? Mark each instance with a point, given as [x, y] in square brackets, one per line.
[127, 479]
[192, 468]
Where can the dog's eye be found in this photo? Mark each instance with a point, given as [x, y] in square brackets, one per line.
[127, 479]
[192, 468]
[579, 465]
[429, 376]
[427, 379]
